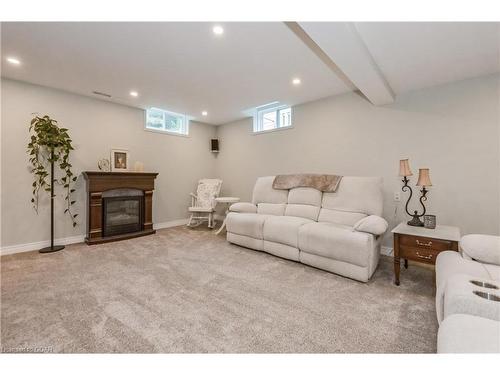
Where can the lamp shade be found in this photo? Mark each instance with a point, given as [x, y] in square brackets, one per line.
[423, 177]
[404, 168]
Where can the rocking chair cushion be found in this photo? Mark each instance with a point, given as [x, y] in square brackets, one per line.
[207, 190]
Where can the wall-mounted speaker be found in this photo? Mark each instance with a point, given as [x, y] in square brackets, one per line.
[214, 145]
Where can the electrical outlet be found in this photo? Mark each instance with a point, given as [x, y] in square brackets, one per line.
[397, 196]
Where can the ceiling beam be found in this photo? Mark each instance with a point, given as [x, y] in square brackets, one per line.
[342, 44]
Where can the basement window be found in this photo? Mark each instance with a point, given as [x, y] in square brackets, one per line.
[271, 117]
[164, 121]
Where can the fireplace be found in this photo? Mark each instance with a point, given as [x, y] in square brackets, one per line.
[122, 211]
[119, 205]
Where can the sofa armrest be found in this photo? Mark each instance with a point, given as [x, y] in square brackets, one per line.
[373, 224]
[243, 207]
[482, 248]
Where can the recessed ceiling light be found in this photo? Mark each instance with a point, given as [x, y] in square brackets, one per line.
[13, 60]
[134, 94]
[204, 113]
[218, 30]
[296, 81]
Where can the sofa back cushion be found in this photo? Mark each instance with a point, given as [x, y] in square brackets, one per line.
[277, 209]
[355, 198]
[304, 202]
[269, 201]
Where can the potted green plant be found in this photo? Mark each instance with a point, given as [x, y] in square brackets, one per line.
[50, 146]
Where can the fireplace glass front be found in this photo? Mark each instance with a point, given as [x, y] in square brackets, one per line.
[122, 214]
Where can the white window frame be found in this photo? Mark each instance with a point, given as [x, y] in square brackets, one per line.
[271, 107]
[185, 127]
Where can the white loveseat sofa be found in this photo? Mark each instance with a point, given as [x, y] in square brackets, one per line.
[339, 232]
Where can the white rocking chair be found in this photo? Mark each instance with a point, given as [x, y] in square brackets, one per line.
[203, 202]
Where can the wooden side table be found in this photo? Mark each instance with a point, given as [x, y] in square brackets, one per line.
[420, 244]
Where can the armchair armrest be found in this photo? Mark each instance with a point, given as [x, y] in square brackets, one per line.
[194, 197]
[373, 224]
[243, 207]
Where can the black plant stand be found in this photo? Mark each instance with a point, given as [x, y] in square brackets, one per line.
[51, 248]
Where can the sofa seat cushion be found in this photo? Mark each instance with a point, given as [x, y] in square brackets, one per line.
[459, 298]
[460, 333]
[340, 217]
[449, 264]
[277, 209]
[302, 210]
[335, 241]
[284, 229]
[493, 271]
[246, 224]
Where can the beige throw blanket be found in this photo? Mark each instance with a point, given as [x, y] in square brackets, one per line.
[322, 182]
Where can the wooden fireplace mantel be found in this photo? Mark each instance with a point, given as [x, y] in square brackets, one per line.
[99, 182]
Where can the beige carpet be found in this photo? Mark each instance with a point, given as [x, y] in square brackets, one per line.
[185, 290]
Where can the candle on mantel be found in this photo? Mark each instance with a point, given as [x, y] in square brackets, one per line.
[139, 166]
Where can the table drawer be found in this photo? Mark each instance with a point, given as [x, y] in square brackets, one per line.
[418, 254]
[425, 243]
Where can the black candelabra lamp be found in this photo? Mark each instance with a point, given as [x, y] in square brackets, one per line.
[423, 181]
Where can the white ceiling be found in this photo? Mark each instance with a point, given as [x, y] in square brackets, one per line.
[414, 55]
[350, 54]
[184, 67]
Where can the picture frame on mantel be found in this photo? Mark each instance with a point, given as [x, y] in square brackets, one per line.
[120, 160]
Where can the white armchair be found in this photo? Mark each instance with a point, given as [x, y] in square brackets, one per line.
[203, 202]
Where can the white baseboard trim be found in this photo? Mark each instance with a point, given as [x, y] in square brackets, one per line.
[170, 224]
[21, 248]
[385, 250]
[176, 223]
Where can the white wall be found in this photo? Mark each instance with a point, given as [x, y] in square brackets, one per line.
[95, 126]
[452, 129]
